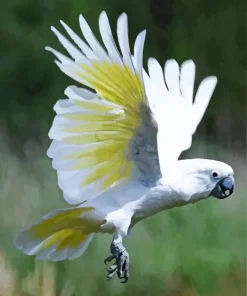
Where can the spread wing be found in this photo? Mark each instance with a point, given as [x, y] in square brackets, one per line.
[105, 135]
[170, 96]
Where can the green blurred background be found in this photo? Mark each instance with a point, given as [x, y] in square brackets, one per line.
[195, 250]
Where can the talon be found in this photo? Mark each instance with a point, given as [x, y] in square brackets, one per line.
[111, 272]
[110, 276]
[111, 268]
[125, 280]
[121, 265]
[109, 259]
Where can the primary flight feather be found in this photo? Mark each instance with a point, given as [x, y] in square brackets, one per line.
[115, 144]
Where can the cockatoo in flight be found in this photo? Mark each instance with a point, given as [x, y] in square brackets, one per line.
[115, 145]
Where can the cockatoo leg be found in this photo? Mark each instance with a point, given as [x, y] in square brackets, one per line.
[121, 256]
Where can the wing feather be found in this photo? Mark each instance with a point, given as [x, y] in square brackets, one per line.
[123, 39]
[172, 77]
[71, 49]
[92, 40]
[106, 33]
[88, 52]
[202, 99]
[93, 132]
[187, 79]
[174, 110]
[138, 52]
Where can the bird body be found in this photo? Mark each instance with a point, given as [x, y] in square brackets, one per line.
[139, 202]
[115, 145]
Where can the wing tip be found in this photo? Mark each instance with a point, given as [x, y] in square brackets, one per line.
[63, 24]
[53, 29]
[187, 63]
[169, 61]
[103, 14]
[82, 19]
[151, 61]
[122, 20]
[143, 32]
[212, 78]
[48, 48]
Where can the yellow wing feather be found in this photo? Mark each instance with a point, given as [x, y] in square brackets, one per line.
[98, 127]
[61, 230]
[118, 85]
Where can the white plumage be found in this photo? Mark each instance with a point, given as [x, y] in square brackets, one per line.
[116, 146]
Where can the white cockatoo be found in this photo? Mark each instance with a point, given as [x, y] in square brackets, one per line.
[116, 146]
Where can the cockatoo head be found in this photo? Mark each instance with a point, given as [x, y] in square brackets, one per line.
[203, 178]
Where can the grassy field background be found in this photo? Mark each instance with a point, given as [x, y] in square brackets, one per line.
[194, 250]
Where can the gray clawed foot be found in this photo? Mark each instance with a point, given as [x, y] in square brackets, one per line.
[120, 267]
[111, 271]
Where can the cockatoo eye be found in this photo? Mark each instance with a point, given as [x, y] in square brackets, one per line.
[215, 174]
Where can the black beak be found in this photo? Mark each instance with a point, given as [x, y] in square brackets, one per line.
[224, 188]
